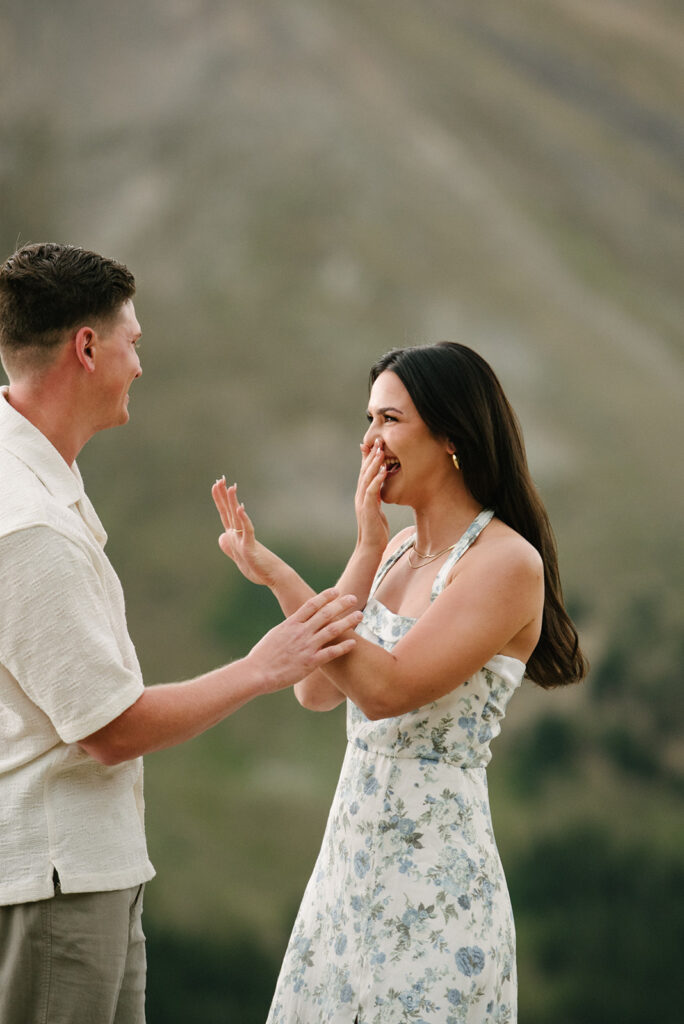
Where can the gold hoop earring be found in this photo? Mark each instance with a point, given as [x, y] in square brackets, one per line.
[455, 461]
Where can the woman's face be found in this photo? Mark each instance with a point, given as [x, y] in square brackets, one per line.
[416, 460]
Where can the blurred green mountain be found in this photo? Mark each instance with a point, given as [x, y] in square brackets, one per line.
[298, 187]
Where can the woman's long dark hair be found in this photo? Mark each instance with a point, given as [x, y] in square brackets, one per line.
[459, 397]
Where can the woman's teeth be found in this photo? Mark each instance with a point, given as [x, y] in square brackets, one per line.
[392, 465]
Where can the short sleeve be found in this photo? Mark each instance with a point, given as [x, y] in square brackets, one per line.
[59, 635]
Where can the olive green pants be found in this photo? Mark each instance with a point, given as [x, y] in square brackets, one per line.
[74, 959]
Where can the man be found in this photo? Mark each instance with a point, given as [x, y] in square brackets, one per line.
[75, 717]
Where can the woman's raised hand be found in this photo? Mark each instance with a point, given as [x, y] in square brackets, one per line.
[372, 522]
[256, 562]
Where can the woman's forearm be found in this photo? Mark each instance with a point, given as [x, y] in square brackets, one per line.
[289, 589]
[359, 573]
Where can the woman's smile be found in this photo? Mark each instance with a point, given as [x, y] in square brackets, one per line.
[393, 466]
[408, 446]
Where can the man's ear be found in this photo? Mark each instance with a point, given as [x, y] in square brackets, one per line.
[84, 347]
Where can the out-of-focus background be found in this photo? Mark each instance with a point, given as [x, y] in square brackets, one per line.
[299, 185]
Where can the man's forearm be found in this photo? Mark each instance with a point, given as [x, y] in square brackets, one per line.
[172, 713]
[320, 630]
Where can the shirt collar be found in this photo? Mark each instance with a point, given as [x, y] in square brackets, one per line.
[20, 437]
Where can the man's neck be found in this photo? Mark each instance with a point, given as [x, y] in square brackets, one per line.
[50, 410]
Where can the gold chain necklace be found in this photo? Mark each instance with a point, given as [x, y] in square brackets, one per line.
[427, 558]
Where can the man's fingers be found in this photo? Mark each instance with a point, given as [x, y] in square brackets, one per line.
[327, 654]
[334, 629]
[319, 601]
[332, 612]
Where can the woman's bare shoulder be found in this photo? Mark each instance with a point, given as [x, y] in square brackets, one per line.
[503, 551]
[510, 551]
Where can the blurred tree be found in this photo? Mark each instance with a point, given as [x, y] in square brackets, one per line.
[191, 980]
[550, 746]
[604, 926]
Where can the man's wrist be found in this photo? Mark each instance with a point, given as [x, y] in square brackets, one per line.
[258, 679]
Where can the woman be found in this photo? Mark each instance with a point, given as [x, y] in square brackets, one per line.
[407, 916]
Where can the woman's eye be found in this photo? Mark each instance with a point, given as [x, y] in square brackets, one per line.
[390, 419]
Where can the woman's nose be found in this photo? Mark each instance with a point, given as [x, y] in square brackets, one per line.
[370, 436]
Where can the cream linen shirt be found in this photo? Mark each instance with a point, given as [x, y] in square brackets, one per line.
[67, 668]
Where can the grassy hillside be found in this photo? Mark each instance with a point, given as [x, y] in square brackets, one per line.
[299, 187]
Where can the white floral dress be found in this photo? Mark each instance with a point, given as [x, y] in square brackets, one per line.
[406, 917]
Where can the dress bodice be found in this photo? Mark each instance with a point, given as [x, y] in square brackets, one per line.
[458, 727]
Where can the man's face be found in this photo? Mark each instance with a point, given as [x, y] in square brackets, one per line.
[117, 365]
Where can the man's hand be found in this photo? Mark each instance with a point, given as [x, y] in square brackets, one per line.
[306, 640]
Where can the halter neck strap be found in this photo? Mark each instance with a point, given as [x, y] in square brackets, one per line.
[469, 537]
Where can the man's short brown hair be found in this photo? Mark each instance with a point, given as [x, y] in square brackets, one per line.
[47, 289]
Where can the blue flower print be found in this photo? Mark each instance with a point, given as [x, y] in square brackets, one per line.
[470, 960]
[371, 785]
[407, 918]
[361, 864]
[468, 724]
[303, 948]
[409, 999]
[347, 993]
[405, 826]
